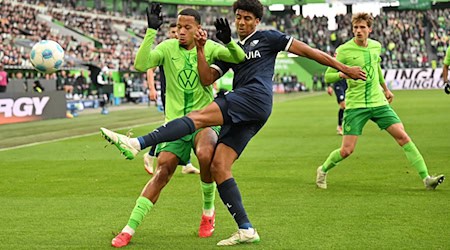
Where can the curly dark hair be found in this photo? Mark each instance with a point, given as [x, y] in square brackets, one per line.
[253, 6]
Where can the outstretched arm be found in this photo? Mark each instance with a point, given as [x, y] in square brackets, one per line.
[232, 53]
[301, 49]
[145, 58]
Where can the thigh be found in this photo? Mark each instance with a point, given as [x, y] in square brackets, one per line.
[168, 161]
[205, 138]
[180, 148]
[355, 120]
[385, 116]
[237, 136]
[243, 106]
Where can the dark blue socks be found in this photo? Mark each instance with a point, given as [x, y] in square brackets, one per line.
[170, 131]
[231, 197]
[340, 116]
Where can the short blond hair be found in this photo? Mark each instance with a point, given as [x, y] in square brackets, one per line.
[358, 17]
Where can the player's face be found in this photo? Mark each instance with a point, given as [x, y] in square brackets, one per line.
[173, 32]
[245, 23]
[361, 31]
[186, 29]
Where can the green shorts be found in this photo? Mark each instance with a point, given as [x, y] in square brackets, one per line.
[182, 147]
[356, 119]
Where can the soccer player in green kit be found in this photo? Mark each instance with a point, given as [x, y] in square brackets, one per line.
[366, 100]
[184, 93]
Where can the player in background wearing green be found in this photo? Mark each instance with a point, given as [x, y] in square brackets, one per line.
[184, 93]
[150, 157]
[366, 100]
[445, 71]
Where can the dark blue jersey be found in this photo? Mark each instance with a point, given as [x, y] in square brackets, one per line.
[256, 72]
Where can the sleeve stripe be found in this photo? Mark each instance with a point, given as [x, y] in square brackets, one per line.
[217, 68]
[288, 45]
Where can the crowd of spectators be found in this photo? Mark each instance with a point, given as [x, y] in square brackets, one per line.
[401, 34]
[312, 31]
[440, 31]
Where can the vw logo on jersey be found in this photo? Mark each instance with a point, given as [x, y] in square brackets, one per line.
[369, 71]
[188, 78]
[254, 42]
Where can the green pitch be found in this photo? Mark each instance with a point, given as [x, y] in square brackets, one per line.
[74, 193]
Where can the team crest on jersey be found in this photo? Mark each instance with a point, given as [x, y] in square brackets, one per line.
[188, 79]
[369, 71]
[254, 42]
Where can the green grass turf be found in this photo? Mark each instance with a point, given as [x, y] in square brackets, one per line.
[72, 194]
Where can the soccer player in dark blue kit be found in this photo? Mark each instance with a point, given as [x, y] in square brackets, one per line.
[339, 88]
[241, 112]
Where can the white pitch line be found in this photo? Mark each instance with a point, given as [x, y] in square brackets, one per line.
[75, 136]
[135, 126]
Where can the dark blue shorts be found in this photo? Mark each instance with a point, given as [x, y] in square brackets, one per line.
[242, 117]
[339, 89]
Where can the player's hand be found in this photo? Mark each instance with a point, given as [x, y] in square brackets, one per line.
[152, 94]
[223, 30]
[389, 96]
[355, 73]
[330, 91]
[447, 88]
[154, 16]
[200, 38]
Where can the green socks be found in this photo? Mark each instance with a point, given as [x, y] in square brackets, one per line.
[143, 205]
[209, 193]
[415, 159]
[412, 154]
[333, 159]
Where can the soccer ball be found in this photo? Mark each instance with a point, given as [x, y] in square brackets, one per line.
[47, 56]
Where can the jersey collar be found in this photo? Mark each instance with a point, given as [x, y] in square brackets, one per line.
[248, 37]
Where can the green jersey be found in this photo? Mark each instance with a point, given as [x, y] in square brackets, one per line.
[184, 92]
[361, 94]
[226, 81]
[447, 56]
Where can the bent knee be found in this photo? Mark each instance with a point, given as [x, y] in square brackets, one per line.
[346, 152]
[402, 140]
[162, 175]
[205, 153]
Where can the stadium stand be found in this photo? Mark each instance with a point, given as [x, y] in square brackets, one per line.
[103, 37]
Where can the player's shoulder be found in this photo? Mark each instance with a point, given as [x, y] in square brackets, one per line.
[373, 43]
[169, 43]
[345, 46]
[269, 33]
